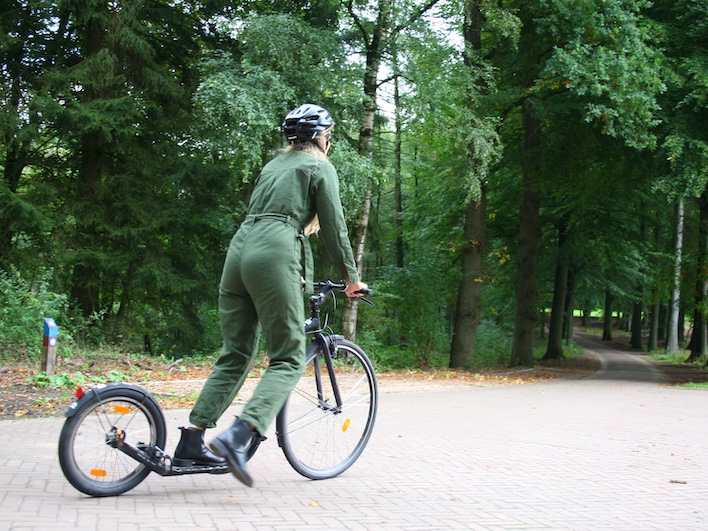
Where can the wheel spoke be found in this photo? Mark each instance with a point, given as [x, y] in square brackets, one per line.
[321, 442]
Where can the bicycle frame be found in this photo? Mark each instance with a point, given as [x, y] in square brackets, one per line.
[327, 344]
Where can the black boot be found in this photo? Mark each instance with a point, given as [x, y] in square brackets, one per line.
[191, 450]
[233, 445]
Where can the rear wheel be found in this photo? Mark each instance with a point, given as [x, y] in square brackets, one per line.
[320, 439]
[120, 412]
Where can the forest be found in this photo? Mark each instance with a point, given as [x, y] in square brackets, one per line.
[506, 167]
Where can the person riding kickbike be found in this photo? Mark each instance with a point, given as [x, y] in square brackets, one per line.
[261, 288]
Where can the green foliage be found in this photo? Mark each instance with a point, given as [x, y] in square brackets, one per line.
[356, 175]
[23, 308]
[236, 103]
[54, 381]
[71, 381]
[493, 346]
[685, 103]
[602, 56]
[679, 356]
[130, 137]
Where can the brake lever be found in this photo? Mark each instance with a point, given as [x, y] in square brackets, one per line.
[365, 292]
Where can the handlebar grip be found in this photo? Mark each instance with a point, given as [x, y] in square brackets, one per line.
[364, 292]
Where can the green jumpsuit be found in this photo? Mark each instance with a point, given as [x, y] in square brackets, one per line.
[261, 285]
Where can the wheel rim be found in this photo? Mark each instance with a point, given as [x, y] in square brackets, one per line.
[98, 462]
[322, 441]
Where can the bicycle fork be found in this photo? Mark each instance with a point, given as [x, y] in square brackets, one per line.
[329, 347]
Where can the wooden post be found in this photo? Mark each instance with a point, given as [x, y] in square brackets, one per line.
[49, 346]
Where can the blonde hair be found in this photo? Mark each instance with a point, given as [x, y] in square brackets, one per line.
[309, 147]
[316, 150]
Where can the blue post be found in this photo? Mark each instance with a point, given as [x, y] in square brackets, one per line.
[49, 346]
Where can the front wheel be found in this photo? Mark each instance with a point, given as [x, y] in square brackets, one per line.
[96, 425]
[320, 437]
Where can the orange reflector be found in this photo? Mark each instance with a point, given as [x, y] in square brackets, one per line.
[123, 410]
[345, 426]
[98, 473]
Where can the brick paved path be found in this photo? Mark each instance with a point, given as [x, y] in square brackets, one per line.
[603, 453]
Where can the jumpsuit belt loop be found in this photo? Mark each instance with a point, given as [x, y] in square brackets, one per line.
[305, 248]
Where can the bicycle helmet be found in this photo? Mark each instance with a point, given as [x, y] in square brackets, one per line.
[305, 122]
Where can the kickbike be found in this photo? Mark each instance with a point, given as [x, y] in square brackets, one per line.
[114, 435]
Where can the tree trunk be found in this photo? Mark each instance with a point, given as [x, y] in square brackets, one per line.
[636, 327]
[526, 313]
[663, 320]
[397, 188]
[568, 322]
[586, 318]
[469, 293]
[375, 44]
[638, 306]
[351, 307]
[467, 312]
[86, 270]
[656, 307]
[699, 339]
[654, 329]
[607, 318]
[85, 277]
[672, 342]
[554, 349]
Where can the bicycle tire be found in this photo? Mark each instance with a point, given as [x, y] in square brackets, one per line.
[88, 462]
[318, 441]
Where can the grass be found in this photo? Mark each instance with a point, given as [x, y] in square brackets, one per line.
[680, 356]
[693, 385]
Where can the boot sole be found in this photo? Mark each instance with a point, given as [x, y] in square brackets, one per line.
[221, 450]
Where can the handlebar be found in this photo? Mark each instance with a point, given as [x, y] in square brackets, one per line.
[326, 287]
[323, 289]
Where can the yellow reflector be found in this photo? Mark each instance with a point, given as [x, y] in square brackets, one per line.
[345, 426]
[98, 473]
[123, 410]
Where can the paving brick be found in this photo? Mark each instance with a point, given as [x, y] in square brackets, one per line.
[603, 453]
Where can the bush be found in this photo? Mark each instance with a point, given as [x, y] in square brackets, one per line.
[493, 345]
[23, 308]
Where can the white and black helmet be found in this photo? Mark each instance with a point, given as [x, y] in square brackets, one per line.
[305, 122]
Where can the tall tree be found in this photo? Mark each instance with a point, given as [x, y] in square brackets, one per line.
[26, 51]
[554, 350]
[672, 342]
[699, 339]
[599, 70]
[684, 148]
[482, 151]
[379, 24]
[116, 107]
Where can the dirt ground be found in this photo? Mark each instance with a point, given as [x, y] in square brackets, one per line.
[177, 385]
